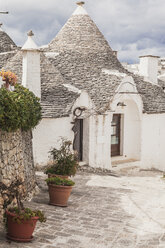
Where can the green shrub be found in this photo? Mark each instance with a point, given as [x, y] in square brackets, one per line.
[26, 214]
[59, 181]
[65, 160]
[19, 109]
[16, 190]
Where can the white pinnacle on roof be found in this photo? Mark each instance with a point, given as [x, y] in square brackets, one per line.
[30, 44]
[80, 10]
[1, 28]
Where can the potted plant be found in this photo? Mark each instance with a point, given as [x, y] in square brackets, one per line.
[59, 190]
[20, 222]
[65, 161]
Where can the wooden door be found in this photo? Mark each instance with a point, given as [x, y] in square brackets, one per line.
[115, 135]
[78, 138]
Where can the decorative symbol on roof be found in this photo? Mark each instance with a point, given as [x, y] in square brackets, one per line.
[30, 33]
[80, 3]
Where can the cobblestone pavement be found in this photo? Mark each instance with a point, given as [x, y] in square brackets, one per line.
[103, 212]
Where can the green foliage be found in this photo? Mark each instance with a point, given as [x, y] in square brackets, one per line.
[18, 109]
[17, 191]
[59, 181]
[26, 214]
[65, 160]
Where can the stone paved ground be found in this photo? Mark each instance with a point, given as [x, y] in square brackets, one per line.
[103, 212]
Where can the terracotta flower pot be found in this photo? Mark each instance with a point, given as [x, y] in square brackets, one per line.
[21, 232]
[59, 195]
[55, 175]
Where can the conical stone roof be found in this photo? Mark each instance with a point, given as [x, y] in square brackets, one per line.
[82, 54]
[6, 43]
[80, 34]
[81, 50]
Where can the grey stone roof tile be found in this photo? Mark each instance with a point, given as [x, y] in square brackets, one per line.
[4, 57]
[6, 43]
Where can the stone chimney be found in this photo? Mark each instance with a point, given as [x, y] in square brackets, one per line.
[148, 68]
[31, 66]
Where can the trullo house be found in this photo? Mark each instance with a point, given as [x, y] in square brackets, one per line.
[87, 96]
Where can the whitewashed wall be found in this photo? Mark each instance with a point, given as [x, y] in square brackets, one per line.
[153, 141]
[96, 134]
[100, 141]
[84, 101]
[47, 135]
[131, 131]
[131, 128]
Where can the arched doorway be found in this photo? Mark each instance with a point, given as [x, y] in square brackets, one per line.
[126, 130]
[78, 138]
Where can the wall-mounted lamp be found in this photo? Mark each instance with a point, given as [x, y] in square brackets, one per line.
[121, 104]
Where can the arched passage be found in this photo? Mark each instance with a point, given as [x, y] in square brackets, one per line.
[128, 108]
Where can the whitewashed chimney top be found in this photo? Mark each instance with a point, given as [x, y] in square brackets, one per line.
[30, 44]
[80, 10]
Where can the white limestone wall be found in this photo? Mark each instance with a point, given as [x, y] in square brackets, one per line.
[47, 135]
[153, 141]
[131, 126]
[100, 141]
[84, 101]
[131, 131]
[31, 72]
[86, 139]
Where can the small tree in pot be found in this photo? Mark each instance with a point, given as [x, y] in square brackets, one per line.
[20, 222]
[65, 161]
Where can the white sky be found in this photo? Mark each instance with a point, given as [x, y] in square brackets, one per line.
[133, 27]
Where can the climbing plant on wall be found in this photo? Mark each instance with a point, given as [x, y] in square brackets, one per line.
[19, 109]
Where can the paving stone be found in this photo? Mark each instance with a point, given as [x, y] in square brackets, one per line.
[92, 224]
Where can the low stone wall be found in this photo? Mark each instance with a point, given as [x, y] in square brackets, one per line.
[16, 160]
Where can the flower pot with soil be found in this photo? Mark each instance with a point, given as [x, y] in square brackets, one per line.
[19, 221]
[59, 191]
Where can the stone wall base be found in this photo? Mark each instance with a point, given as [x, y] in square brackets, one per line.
[16, 162]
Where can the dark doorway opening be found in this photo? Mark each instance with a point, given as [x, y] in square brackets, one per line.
[115, 135]
[78, 138]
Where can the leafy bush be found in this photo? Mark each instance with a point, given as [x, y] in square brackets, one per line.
[26, 214]
[65, 160]
[59, 181]
[16, 190]
[18, 109]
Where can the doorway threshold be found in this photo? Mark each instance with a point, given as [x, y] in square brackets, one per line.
[119, 160]
[123, 165]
